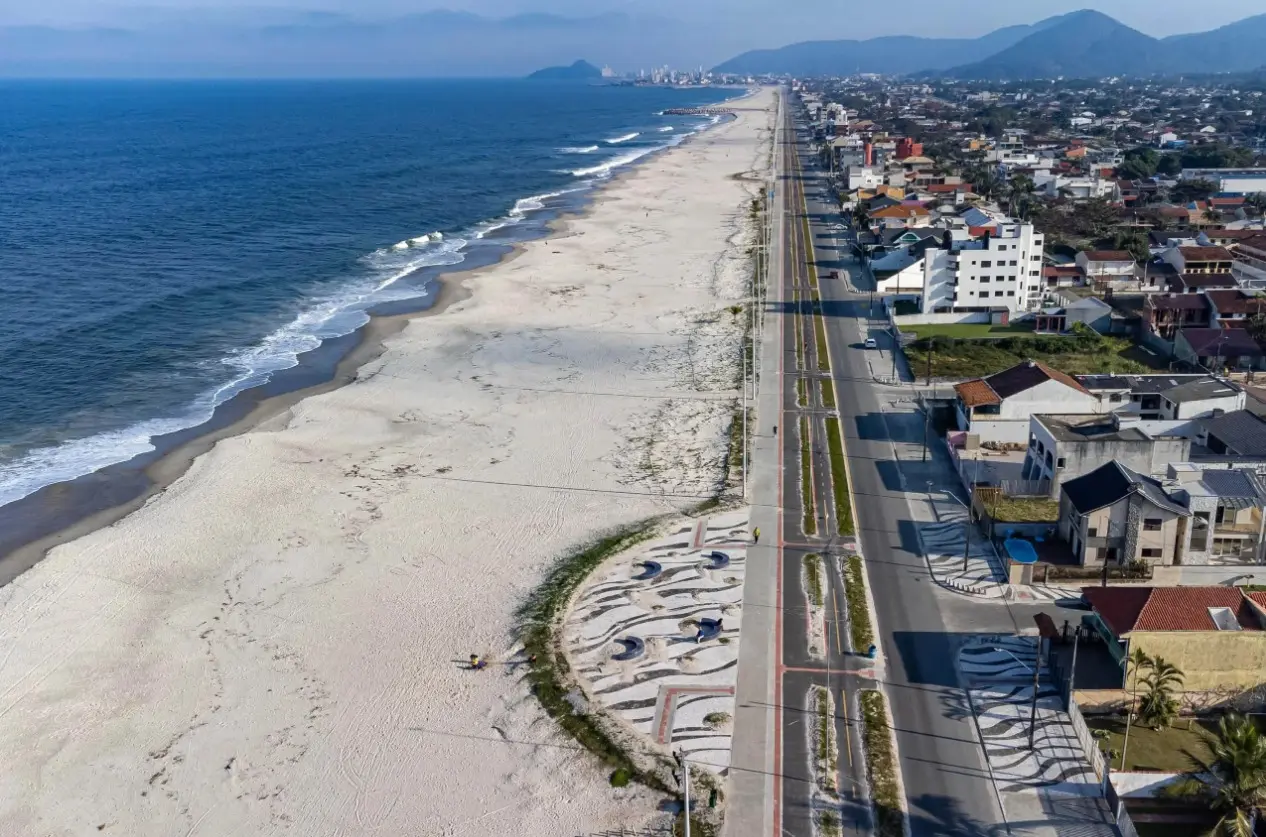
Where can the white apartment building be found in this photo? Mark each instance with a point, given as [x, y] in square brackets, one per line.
[863, 177]
[1002, 269]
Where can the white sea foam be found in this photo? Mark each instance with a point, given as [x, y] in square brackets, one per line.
[326, 317]
[588, 149]
[666, 128]
[625, 138]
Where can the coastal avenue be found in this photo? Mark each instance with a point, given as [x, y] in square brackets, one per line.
[947, 786]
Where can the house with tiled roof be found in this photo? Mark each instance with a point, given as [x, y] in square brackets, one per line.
[997, 409]
[1215, 635]
[1217, 349]
[1114, 516]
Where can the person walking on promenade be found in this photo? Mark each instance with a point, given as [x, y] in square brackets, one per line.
[756, 535]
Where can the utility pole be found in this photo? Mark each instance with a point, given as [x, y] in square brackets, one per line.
[1037, 670]
[1072, 674]
[931, 351]
[927, 422]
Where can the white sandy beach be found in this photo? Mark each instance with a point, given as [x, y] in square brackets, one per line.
[274, 644]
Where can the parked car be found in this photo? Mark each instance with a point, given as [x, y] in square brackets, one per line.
[871, 343]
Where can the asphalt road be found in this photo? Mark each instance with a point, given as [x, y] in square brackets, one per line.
[920, 625]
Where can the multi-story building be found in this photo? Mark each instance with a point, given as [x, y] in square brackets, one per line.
[1000, 269]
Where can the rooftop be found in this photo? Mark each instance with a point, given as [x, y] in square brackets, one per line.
[1226, 342]
[1127, 609]
[1141, 384]
[1089, 428]
[1201, 390]
[1205, 254]
[1112, 482]
[1177, 302]
[1109, 256]
[1242, 432]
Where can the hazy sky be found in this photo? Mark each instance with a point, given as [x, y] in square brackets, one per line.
[766, 22]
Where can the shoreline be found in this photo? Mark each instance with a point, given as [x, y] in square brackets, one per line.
[64, 511]
[281, 636]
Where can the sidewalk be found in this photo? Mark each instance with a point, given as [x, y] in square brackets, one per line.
[750, 790]
[1049, 789]
[938, 506]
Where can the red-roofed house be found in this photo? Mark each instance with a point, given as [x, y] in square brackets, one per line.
[998, 408]
[1213, 634]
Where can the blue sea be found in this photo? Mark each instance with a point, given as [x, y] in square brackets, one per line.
[165, 246]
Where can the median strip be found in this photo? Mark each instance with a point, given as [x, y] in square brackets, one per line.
[825, 750]
[828, 395]
[839, 477]
[806, 480]
[881, 766]
[860, 630]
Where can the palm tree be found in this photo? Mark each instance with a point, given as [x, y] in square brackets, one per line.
[1233, 779]
[1022, 189]
[1159, 707]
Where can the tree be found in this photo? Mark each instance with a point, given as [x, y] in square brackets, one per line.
[1192, 190]
[1133, 242]
[1139, 163]
[1021, 190]
[1159, 706]
[1233, 780]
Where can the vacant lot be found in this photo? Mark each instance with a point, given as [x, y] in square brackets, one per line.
[957, 359]
[1024, 510]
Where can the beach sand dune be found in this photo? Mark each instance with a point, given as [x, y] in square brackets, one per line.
[275, 644]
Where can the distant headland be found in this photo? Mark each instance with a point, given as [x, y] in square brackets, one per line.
[579, 71]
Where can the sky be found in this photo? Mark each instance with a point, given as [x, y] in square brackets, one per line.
[161, 38]
[763, 22]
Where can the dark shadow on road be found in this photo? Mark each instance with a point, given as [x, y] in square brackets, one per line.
[943, 816]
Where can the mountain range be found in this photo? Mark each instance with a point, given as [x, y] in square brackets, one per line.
[1086, 44]
[304, 43]
[578, 71]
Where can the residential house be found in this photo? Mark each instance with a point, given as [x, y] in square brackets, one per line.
[1165, 397]
[901, 216]
[1219, 348]
[1067, 447]
[1249, 267]
[1235, 308]
[1237, 434]
[1166, 314]
[1106, 265]
[1063, 276]
[1196, 259]
[997, 409]
[1227, 524]
[1090, 311]
[1198, 283]
[1214, 635]
[1114, 515]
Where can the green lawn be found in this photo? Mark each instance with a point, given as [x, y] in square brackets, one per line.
[968, 331]
[1025, 510]
[956, 359]
[1164, 750]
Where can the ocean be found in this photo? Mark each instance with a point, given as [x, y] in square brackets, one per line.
[165, 246]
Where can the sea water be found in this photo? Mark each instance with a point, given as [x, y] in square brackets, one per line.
[167, 245]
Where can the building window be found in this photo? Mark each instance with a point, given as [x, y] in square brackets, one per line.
[1035, 273]
[1013, 262]
[1010, 293]
[986, 264]
[1060, 462]
[1092, 532]
[1035, 258]
[1151, 553]
[1152, 524]
[997, 293]
[984, 279]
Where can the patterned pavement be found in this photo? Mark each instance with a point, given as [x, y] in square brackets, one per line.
[1051, 782]
[677, 692]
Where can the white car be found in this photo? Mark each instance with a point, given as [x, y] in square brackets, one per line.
[871, 343]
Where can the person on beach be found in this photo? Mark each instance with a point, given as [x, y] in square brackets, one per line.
[476, 663]
[756, 535]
